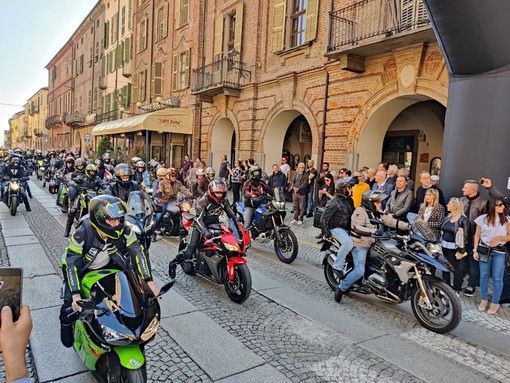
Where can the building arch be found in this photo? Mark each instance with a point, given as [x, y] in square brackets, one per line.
[223, 139]
[274, 130]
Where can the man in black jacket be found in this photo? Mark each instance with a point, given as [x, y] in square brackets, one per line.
[336, 220]
[16, 170]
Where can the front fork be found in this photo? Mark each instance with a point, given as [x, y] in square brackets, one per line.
[425, 298]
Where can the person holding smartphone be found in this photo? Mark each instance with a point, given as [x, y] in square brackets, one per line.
[14, 336]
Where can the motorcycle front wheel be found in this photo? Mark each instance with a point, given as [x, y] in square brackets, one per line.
[286, 248]
[239, 289]
[446, 311]
[332, 278]
[134, 376]
[14, 205]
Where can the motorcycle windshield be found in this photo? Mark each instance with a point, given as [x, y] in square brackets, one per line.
[278, 194]
[420, 227]
[139, 205]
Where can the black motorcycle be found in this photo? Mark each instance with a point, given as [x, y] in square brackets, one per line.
[49, 172]
[400, 268]
[140, 217]
[268, 224]
[12, 194]
[171, 223]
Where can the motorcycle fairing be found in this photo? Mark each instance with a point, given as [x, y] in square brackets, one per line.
[130, 357]
[85, 347]
[231, 263]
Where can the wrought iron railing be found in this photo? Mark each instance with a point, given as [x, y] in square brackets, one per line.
[225, 72]
[53, 121]
[108, 116]
[367, 20]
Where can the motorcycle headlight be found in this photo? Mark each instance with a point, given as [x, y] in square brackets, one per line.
[42, 168]
[230, 247]
[14, 186]
[151, 329]
[434, 248]
[111, 335]
[134, 227]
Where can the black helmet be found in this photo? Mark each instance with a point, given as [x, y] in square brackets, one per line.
[53, 187]
[343, 183]
[255, 173]
[123, 170]
[217, 186]
[99, 163]
[70, 160]
[91, 170]
[369, 197]
[79, 164]
[15, 160]
[107, 207]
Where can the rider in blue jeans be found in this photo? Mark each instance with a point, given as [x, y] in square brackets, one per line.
[361, 232]
[336, 220]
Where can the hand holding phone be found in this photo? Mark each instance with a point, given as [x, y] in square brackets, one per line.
[11, 282]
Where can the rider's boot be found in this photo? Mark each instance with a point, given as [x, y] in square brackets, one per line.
[181, 257]
[66, 329]
[69, 224]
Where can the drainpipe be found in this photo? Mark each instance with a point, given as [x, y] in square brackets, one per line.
[202, 60]
[324, 116]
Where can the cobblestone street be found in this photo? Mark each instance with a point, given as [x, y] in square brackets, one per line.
[289, 330]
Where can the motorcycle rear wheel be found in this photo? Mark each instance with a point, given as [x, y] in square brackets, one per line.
[14, 205]
[446, 312]
[287, 248]
[239, 289]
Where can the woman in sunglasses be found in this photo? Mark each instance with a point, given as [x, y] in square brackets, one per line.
[492, 233]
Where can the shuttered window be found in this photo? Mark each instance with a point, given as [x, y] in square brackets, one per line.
[142, 36]
[162, 22]
[294, 23]
[157, 79]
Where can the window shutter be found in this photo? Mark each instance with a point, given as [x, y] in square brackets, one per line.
[164, 32]
[218, 37]
[110, 62]
[239, 29]
[130, 13]
[106, 34]
[127, 103]
[135, 87]
[158, 78]
[279, 25]
[146, 34]
[406, 13]
[186, 70]
[155, 25]
[421, 13]
[118, 56]
[127, 49]
[175, 70]
[124, 96]
[103, 66]
[312, 9]
[177, 14]
[153, 79]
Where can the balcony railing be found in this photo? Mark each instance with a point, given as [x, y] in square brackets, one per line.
[103, 83]
[53, 121]
[108, 116]
[127, 68]
[369, 21]
[220, 77]
[38, 133]
[75, 120]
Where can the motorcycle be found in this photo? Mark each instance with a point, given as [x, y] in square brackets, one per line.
[30, 166]
[400, 268]
[41, 166]
[119, 316]
[49, 172]
[171, 223]
[268, 224]
[140, 217]
[82, 204]
[12, 194]
[63, 200]
[221, 259]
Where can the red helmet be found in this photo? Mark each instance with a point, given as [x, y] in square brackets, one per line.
[217, 186]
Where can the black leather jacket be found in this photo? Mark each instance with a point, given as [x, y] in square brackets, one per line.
[209, 210]
[121, 190]
[337, 213]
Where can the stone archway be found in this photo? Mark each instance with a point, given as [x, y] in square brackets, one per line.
[222, 136]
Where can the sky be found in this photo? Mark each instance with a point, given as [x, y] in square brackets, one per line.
[32, 32]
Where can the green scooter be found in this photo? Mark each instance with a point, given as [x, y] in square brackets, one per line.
[119, 316]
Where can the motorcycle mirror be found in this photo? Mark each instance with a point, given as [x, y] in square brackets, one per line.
[165, 288]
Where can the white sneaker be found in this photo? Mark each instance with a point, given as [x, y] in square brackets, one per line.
[293, 222]
[299, 222]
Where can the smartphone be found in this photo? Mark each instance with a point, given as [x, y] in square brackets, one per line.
[11, 282]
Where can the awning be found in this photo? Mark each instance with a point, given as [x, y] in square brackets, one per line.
[171, 120]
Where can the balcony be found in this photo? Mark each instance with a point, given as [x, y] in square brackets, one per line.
[38, 133]
[75, 120]
[372, 27]
[108, 116]
[127, 68]
[225, 76]
[27, 135]
[53, 122]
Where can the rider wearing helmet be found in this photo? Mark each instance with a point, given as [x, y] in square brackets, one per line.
[209, 174]
[108, 162]
[336, 220]
[167, 191]
[361, 232]
[254, 188]
[66, 172]
[134, 162]
[123, 184]
[200, 187]
[210, 209]
[141, 175]
[102, 240]
[86, 180]
[16, 170]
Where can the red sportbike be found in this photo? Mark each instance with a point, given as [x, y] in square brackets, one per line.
[221, 259]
